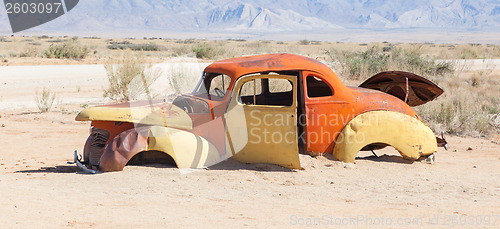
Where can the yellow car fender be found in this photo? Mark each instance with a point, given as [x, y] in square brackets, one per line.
[187, 149]
[408, 135]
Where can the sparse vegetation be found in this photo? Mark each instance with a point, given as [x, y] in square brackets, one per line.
[67, 50]
[180, 51]
[469, 105]
[130, 77]
[363, 64]
[56, 41]
[134, 47]
[45, 100]
[204, 51]
[145, 47]
[187, 41]
[30, 51]
[304, 42]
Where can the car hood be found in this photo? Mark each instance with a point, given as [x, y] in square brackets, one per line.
[156, 113]
[420, 90]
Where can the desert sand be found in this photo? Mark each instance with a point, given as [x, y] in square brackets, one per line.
[39, 189]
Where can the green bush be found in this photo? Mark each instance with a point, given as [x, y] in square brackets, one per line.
[144, 47]
[56, 41]
[204, 51]
[134, 47]
[363, 64]
[304, 42]
[67, 50]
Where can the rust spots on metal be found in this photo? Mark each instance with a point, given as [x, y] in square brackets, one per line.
[270, 63]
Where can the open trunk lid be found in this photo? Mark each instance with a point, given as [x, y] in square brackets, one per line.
[411, 88]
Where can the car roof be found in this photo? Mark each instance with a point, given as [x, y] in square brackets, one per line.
[236, 67]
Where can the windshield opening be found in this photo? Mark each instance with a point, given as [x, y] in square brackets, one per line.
[213, 84]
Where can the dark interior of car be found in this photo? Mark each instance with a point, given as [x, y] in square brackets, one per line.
[317, 88]
[269, 98]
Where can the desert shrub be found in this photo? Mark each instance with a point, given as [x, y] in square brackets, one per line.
[145, 47]
[130, 77]
[362, 64]
[30, 51]
[56, 41]
[460, 114]
[204, 50]
[118, 44]
[304, 42]
[386, 48]
[45, 100]
[67, 50]
[187, 41]
[469, 106]
[115, 46]
[413, 61]
[181, 50]
[134, 47]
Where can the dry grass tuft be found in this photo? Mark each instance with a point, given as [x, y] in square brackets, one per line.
[45, 100]
[129, 78]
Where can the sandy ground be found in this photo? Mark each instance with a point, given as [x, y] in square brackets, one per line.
[39, 189]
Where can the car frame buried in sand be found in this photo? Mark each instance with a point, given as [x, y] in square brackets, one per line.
[263, 109]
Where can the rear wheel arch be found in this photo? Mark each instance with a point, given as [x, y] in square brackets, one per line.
[408, 135]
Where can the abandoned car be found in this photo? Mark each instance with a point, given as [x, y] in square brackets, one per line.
[263, 109]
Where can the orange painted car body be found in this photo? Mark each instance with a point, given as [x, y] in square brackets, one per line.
[331, 112]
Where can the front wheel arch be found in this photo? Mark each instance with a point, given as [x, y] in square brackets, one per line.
[186, 149]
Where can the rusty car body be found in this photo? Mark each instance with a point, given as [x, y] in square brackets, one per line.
[264, 109]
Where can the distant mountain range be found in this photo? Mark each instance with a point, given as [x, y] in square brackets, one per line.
[259, 16]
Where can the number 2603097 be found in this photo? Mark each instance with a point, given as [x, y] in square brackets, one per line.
[33, 8]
